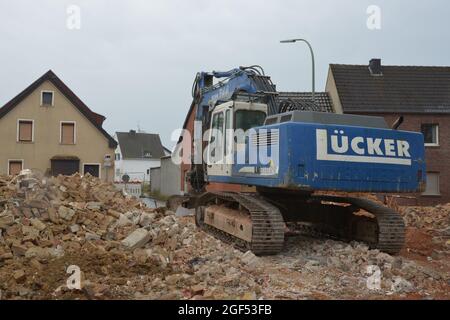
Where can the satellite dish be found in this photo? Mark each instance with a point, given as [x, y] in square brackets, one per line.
[126, 178]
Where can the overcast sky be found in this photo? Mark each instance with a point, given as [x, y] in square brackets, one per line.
[134, 61]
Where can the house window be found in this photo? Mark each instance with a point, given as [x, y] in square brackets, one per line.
[25, 131]
[431, 134]
[92, 169]
[117, 156]
[432, 186]
[147, 154]
[47, 98]
[68, 133]
[14, 167]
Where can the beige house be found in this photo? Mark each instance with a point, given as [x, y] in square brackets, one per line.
[47, 127]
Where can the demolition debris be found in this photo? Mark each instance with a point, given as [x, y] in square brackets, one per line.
[126, 250]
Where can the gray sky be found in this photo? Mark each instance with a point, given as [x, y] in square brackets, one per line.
[134, 61]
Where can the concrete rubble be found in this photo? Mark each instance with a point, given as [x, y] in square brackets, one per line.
[125, 250]
[432, 218]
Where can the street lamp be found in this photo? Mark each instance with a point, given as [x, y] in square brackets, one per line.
[313, 64]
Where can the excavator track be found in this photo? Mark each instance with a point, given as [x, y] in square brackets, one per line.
[333, 217]
[391, 227]
[267, 222]
[389, 235]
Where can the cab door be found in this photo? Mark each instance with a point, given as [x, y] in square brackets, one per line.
[228, 150]
[215, 144]
[220, 148]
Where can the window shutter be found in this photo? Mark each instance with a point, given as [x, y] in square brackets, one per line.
[15, 167]
[25, 131]
[68, 133]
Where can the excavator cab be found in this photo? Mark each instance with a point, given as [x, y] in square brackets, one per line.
[229, 127]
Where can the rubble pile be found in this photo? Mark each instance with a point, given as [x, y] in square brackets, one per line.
[350, 271]
[49, 213]
[432, 218]
[125, 250]
[46, 225]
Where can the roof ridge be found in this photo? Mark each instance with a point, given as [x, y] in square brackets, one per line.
[303, 92]
[392, 65]
[136, 132]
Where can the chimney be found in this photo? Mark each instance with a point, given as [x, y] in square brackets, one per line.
[132, 132]
[375, 67]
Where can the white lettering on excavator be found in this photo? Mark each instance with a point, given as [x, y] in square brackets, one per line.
[369, 150]
[373, 146]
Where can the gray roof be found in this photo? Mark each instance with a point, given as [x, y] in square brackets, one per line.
[136, 145]
[322, 99]
[405, 89]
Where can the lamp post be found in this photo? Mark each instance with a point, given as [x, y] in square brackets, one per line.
[313, 64]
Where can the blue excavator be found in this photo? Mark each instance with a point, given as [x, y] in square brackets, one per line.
[297, 165]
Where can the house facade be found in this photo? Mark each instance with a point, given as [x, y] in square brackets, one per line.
[136, 154]
[48, 128]
[420, 95]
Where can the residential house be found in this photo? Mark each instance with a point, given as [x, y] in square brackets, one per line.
[48, 128]
[421, 95]
[136, 154]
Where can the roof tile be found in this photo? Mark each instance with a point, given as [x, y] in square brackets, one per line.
[407, 89]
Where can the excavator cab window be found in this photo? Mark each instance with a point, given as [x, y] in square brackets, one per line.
[217, 134]
[228, 135]
[247, 119]
[217, 123]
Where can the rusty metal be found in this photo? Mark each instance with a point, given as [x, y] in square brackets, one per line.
[267, 222]
[235, 222]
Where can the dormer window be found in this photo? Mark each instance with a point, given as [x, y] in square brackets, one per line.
[47, 98]
[147, 154]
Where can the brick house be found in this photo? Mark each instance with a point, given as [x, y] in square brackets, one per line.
[421, 95]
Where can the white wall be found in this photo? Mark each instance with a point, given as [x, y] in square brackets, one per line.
[136, 169]
[117, 163]
[170, 177]
[133, 189]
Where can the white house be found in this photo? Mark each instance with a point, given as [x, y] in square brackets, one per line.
[136, 153]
